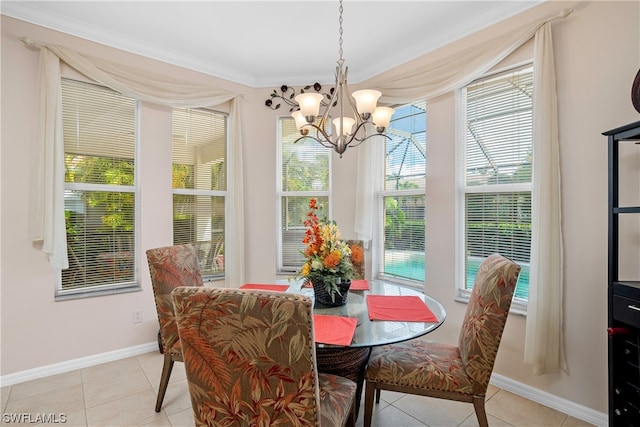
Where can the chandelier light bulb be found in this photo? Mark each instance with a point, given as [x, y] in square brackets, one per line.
[309, 105]
[381, 118]
[366, 100]
[348, 125]
[299, 118]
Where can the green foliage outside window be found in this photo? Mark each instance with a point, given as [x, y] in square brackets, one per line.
[117, 208]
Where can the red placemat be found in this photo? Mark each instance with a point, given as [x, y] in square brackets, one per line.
[261, 287]
[337, 330]
[359, 285]
[399, 308]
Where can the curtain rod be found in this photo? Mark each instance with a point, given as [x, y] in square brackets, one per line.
[30, 44]
[563, 14]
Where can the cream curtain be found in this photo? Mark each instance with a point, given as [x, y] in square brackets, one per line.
[46, 213]
[234, 215]
[46, 217]
[544, 341]
[543, 348]
[369, 159]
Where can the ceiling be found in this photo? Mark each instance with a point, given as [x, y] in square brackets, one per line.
[269, 43]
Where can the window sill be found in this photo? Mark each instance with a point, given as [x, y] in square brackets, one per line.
[97, 293]
[213, 278]
[404, 282]
[287, 272]
[214, 282]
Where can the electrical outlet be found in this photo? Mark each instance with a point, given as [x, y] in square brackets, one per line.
[137, 316]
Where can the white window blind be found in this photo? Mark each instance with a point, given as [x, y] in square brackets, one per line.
[497, 172]
[403, 199]
[199, 179]
[303, 173]
[100, 188]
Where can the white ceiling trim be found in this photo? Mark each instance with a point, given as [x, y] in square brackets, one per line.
[268, 62]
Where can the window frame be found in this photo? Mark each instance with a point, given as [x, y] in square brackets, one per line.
[217, 276]
[113, 288]
[518, 305]
[379, 253]
[281, 194]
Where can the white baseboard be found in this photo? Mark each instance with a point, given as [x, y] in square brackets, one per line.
[71, 365]
[547, 399]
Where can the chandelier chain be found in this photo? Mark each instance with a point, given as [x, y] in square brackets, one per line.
[340, 31]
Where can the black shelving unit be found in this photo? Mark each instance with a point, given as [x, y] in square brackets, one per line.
[623, 297]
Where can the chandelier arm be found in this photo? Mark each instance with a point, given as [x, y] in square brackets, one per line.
[319, 141]
[361, 126]
[351, 101]
[367, 135]
[360, 141]
[320, 131]
[334, 99]
[342, 77]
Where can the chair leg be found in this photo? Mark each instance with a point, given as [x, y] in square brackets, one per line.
[369, 390]
[378, 395]
[164, 380]
[351, 421]
[478, 404]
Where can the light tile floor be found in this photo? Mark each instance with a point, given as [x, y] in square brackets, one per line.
[123, 393]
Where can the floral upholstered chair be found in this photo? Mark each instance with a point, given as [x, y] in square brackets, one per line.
[170, 267]
[446, 371]
[250, 361]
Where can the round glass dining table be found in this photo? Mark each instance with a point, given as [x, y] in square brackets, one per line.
[370, 333]
[351, 361]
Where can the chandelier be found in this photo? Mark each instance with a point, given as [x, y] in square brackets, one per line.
[348, 131]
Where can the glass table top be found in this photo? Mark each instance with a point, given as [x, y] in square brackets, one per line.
[376, 332]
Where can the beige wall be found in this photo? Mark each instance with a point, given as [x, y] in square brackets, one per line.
[597, 53]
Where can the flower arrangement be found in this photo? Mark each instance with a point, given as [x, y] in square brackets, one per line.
[357, 258]
[327, 257]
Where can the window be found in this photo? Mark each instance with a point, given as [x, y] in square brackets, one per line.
[403, 197]
[495, 182]
[303, 172]
[199, 179]
[99, 128]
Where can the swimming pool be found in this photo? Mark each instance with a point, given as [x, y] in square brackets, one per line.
[411, 266]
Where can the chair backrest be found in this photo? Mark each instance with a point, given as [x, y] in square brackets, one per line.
[485, 318]
[357, 257]
[249, 357]
[171, 267]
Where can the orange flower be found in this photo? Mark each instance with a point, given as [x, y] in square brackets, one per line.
[357, 254]
[332, 259]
